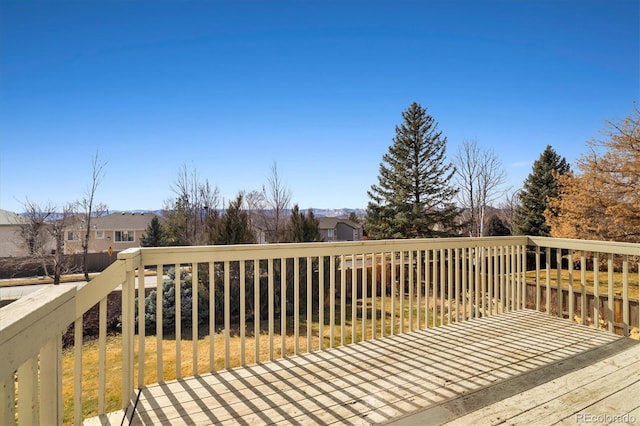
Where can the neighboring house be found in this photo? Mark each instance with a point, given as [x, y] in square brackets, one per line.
[11, 244]
[336, 229]
[118, 231]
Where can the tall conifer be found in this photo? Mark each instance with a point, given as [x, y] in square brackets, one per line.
[540, 185]
[414, 195]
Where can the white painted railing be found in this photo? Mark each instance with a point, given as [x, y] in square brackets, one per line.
[583, 269]
[359, 291]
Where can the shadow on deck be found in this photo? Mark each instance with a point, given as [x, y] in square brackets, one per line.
[522, 367]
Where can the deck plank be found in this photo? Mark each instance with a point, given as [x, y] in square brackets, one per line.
[397, 378]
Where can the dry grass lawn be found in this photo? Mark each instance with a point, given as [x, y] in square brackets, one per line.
[603, 281]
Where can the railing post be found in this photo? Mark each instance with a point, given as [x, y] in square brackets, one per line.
[128, 295]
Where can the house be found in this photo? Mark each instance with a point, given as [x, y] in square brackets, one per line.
[11, 244]
[118, 231]
[337, 229]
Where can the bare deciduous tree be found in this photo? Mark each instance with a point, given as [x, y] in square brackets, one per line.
[90, 209]
[44, 230]
[278, 197]
[480, 175]
[255, 205]
[189, 216]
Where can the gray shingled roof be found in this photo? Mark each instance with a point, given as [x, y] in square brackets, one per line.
[122, 221]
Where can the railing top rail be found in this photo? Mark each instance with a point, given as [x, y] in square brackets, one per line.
[185, 254]
[28, 323]
[632, 249]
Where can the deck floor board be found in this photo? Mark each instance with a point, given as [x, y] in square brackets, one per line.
[482, 371]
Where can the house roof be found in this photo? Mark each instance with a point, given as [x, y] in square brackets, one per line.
[122, 221]
[332, 222]
[10, 218]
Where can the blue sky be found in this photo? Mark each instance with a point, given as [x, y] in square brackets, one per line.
[226, 88]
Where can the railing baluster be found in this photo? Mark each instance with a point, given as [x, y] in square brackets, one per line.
[418, 285]
[321, 302]
[178, 319]
[332, 300]
[583, 288]
[383, 294]
[560, 311]
[309, 305]
[243, 313]
[374, 294]
[343, 298]
[102, 355]
[571, 295]
[393, 293]
[354, 296]
[50, 384]
[489, 280]
[625, 294]
[441, 258]
[401, 292]
[28, 409]
[194, 317]
[504, 285]
[128, 296]
[212, 316]
[477, 282]
[141, 326]
[449, 285]
[364, 296]
[596, 290]
[457, 292]
[283, 307]
[465, 282]
[227, 314]
[296, 306]
[610, 293]
[77, 382]
[427, 285]
[8, 401]
[548, 278]
[271, 310]
[435, 286]
[538, 291]
[496, 280]
[159, 326]
[410, 295]
[256, 310]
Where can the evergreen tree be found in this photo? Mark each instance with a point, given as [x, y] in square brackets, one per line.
[233, 227]
[154, 235]
[540, 185]
[301, 227]
[496, 227]
[414, 194]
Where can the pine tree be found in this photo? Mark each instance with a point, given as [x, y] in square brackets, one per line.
[496, 227]
[301, 227]
[154, 235]
[540, 185]
[234, 227]
[414, 194]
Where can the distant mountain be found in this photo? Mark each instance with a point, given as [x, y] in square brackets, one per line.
[341, 213]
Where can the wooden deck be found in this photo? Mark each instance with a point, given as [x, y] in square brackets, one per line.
[522, 367]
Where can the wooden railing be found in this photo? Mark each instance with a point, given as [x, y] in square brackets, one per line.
[581, 280]
[254, 303]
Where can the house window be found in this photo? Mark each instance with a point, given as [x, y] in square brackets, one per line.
[99, 235]
[331, 234]
[124, 236]
[72, 236]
